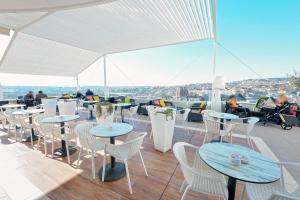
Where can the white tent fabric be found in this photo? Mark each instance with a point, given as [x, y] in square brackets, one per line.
[76, 37]
[39, 5]
[38, 56]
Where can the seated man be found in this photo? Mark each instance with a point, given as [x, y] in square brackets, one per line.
[29, 99]
[234, 108]
[79, 95]
[39, 96]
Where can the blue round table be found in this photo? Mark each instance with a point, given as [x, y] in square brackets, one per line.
[114, 170]
[61, 119]
[259, 168]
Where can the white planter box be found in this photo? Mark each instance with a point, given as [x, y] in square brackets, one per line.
[163, 131]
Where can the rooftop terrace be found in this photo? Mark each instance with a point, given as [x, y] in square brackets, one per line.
[28, 174]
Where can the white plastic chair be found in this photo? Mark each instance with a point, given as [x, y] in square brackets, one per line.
[12, 124]
[2, 119]
[67, 108]
[212, 128]
[198, 176]
[68, 136]
[45, 131]
[50, 106]
[125, 151]
[23, 122]
[272, 191]
[244, 129]
[117, 112]
[131, 112]
[89, 142]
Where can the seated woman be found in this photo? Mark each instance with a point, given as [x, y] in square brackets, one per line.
[234, 108]
[282, 104]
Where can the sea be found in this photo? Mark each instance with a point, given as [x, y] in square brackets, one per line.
[13, 92]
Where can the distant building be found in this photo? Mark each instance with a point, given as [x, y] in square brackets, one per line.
[181, 92]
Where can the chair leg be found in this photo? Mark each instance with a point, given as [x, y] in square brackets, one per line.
[204, 139]
[93, 165]
[103, 166]
[38, 142]
[52, 148]
[128, 177]
[31, 139]
[45, 145]
[243, 193]
[250, 142]
[183, 185]
[68, 154]
[79, 154]
[143, 163]
[185, 192]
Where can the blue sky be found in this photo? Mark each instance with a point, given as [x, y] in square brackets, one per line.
[265, 34]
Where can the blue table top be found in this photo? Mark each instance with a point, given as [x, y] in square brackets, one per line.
[59, 119]
[111, 130]
[30, 111]
[222, 115]
[259, 168]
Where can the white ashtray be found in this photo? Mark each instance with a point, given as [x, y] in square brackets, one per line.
[235, 159]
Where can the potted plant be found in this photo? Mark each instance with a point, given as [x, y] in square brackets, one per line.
[104, 112]
[163, 122]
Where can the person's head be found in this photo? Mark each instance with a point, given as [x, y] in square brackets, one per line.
[232, 98]
[40, 92]
[30, 92]
[283, 98]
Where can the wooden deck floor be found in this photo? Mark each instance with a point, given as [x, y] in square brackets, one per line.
[27, 174]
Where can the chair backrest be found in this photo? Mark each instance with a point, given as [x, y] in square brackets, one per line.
[43, 128]
[9, 116]
[134, 109]
[251, 123]
[129, 148]
[82, 130]
[212, 126]
[205, 114]
[67, 108]
[180, 154]
[186, 114]
[50, 106]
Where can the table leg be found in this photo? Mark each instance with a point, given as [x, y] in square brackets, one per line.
[34, 137]
[62, 152]
[115, 170]
[221, 128]
[231, 188]
[122, 117]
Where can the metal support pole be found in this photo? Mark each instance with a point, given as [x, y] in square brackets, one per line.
[105, 80]
[77, 84]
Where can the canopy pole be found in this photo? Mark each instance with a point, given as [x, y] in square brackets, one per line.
[77, 83]
[214, 57]
[105, 80]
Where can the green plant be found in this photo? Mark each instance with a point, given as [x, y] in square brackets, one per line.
[295, 79]
[103, 104]
[167, 112]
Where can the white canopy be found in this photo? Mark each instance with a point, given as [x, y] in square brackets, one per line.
[65, 42]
